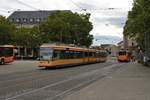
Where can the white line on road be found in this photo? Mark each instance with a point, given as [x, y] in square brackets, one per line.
[75, 87]
[60, 82]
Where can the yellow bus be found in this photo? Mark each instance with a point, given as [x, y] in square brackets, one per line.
[6, 54]
[63, 55]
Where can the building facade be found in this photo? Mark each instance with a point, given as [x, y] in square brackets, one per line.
[129, 43]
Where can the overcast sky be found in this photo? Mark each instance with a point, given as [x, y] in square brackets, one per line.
[105, 21]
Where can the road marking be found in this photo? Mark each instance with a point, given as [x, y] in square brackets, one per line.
[69, 79]
[75, 87]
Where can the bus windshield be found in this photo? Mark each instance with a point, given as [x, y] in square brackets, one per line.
[6, 51]
[46, 53]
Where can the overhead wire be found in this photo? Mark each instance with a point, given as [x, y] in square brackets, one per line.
[4, 10]
[80, 8]
[1, 10]
[98, 9]
[77, 5]
[8, 10]
[27, 5]
[12, 9]
[83, 9]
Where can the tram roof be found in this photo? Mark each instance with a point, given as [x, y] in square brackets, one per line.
[10, 46]
[66, 47]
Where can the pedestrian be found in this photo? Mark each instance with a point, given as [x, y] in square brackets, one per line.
[133, 56]
[129, 55]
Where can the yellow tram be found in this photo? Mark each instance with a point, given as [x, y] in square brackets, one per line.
[52, 55]
[123, 56]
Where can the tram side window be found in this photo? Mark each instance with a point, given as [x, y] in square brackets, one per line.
[78, 54]
[97, 54]
[66, 54]
[62, 54]
[75, 54]
[105, 54]
[94, 54]
[102, 54]
[82, 54]
[56, 54]
[86, 54]
[72, 54]
[90, 54]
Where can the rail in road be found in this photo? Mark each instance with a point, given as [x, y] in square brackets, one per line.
[51, 84]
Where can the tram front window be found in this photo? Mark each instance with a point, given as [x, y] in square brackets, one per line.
[46, 53]
[6, 51]
[122, 53]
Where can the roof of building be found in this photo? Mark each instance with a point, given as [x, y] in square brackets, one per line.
[27, 16]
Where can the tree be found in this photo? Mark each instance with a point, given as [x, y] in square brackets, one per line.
[6, 31]
[67, 27]
[138, 23]
[35, 36]
[27, 37]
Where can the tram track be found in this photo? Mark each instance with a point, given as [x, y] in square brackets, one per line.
[64, 80]
[25, 74]
[22, 84]
[38, 74]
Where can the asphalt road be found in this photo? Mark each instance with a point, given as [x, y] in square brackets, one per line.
[23, 80]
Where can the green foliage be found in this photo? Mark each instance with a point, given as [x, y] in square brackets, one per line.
[6, 31]
[67, 27]
[27, 37]
[138, 23]
[60, 26]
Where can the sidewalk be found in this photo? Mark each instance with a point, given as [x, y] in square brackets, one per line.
[130, 82]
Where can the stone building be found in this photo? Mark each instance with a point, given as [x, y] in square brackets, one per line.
[129, 43]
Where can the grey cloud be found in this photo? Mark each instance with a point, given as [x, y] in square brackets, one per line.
[86, 6]
[119, 22]
[116, 21]
[115, 13]
[106, 39]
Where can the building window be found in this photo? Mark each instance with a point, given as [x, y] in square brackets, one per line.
[18, 20]
[38, 19]
[24, 19]
[31, 20]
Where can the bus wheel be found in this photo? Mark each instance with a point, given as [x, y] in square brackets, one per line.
[2, 62]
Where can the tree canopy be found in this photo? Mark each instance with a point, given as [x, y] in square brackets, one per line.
[6, 31]
[67, 27]
[138, 23]
[60, 26]
[27, 37]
